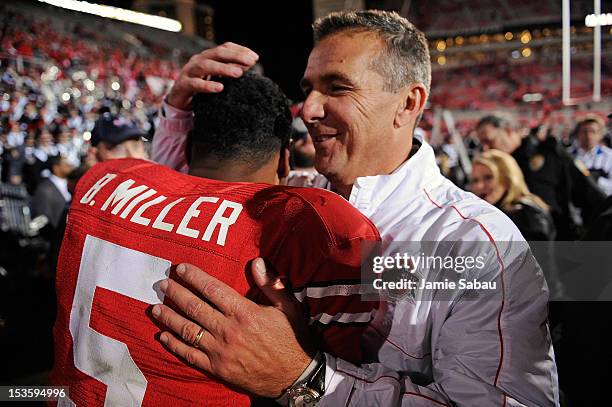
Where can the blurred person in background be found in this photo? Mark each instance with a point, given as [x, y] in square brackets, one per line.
[549, 171]
[497, 178]
[448, 160]
[32, 167]
[56, 243]
[52, 195]
[14, 154]
[16, 135]
[302, 153]
[589, 149]
[115, 137]
[45, 146]
[52, 199]
[77, 140]
[30, 115]
[67, 148]
[607, 138]
[46, 115]
[37, 166]
[14, 164]
[76, 120]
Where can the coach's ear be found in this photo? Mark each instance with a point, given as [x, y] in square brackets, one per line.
[283, 164]
[411, 105]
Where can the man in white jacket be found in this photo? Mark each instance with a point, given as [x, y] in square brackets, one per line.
[366, 85]
[589, 149]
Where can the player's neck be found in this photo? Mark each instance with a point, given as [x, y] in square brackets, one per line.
[233, 172]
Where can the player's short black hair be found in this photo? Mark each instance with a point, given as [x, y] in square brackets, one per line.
[248, 121]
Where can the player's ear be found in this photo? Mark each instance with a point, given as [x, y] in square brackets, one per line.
[283, 164]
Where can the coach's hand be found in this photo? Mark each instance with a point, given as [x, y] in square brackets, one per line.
[260, 349]
[228, 59]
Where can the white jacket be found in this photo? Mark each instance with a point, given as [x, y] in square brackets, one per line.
[492, 351]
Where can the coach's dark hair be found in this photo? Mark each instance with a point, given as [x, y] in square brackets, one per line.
[248, 121]
[405, 58]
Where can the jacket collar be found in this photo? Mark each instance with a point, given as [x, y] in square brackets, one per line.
[409, 179]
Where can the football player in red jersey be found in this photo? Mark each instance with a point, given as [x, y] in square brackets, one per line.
[132, 220]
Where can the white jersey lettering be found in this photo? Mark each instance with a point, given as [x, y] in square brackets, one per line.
[89, 195]
[193, 212]
[223, 222]
[122, 195]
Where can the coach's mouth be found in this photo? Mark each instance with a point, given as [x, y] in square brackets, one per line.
[324, 142]
[322, 138]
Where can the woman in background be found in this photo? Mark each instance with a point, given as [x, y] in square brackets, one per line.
[498, 179]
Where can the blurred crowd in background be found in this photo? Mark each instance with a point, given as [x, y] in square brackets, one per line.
[57, 77]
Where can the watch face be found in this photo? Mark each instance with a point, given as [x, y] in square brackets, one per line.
[303, 397]
[306, 400]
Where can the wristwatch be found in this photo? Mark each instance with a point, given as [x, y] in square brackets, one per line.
[308, 391]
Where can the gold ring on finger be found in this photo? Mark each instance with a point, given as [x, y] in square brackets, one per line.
[196, 341]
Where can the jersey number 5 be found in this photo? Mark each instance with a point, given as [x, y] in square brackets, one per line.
[127, 272]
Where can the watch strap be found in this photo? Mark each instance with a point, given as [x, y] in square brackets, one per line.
[316, 381]
[308, 390]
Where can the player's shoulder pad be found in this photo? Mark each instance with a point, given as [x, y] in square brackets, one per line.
[340, 218]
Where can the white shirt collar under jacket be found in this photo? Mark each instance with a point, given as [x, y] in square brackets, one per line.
[407, 181]
[62, 185]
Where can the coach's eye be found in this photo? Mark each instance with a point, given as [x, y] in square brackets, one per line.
[339, 88]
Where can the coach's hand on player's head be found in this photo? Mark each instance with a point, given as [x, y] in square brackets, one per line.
[228, 59]
[260, 349]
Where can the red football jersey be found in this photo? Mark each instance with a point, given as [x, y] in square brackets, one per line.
[131, 221]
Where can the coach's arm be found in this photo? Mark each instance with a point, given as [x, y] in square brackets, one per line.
[255, 347]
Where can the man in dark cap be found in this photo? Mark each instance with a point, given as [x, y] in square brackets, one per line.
[115, 137]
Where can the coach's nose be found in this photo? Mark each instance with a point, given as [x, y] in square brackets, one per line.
[313, 109]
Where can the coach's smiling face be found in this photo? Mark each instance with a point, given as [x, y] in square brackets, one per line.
[358, 127]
